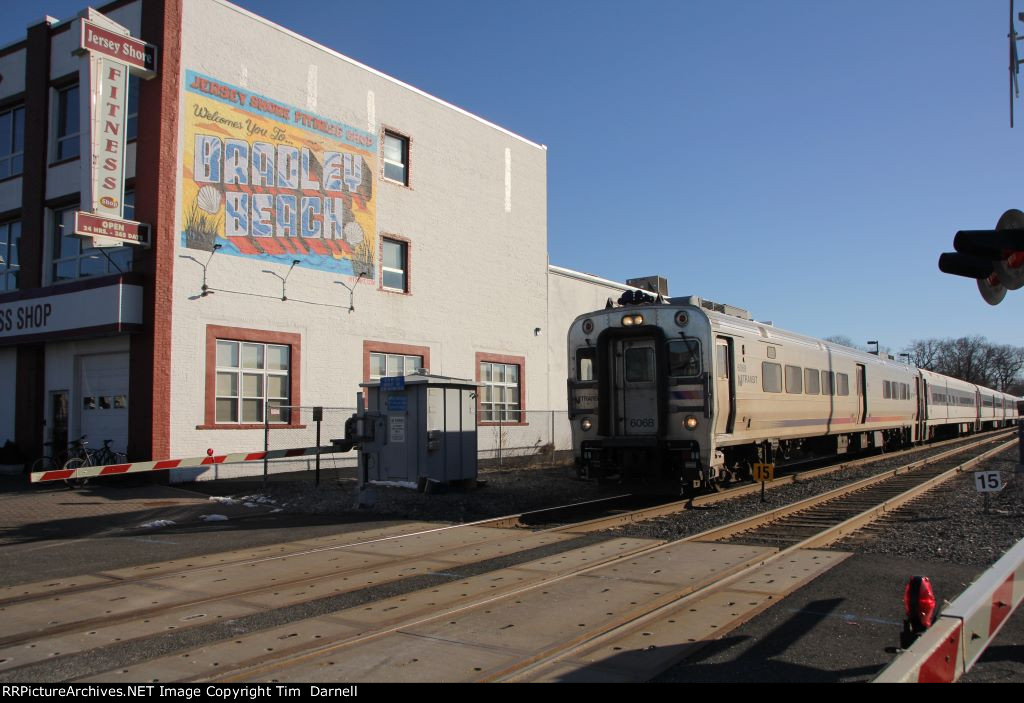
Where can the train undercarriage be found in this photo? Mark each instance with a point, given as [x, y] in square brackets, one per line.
[675, 467]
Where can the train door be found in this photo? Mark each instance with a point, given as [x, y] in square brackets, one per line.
[921, 386]
[724, 393]
[862, 393]
[636, 411]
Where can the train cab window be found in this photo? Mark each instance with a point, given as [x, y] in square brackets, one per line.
[639, 364]
[684, 357]
[828, 382]
[771, 377]
[811, 386]
[585, 363]
[842, 384]
[794, 379]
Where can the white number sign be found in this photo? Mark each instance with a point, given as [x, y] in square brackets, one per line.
[988, 481]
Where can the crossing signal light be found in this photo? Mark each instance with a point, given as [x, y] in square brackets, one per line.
[994, 257]
[920, 604]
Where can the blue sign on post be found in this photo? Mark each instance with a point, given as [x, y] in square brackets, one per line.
[392, 383]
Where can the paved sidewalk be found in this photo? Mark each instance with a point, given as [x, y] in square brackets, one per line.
[33, 512]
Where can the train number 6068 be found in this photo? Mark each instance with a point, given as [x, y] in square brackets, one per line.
[641, 422]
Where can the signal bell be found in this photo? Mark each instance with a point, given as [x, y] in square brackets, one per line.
[994, 257]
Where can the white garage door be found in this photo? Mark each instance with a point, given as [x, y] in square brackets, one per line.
[103, 399]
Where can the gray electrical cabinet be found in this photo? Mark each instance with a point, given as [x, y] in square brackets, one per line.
[424, 430]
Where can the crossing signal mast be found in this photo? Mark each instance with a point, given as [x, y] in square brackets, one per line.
[1014, 61]
[994, 257]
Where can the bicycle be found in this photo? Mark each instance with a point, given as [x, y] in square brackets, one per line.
[48, 462]
[106, 455]
[79, 456]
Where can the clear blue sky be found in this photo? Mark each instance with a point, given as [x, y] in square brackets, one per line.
[806, 160]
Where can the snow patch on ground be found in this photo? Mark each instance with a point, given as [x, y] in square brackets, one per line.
[157, 523]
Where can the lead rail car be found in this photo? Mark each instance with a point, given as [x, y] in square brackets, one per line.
[684, 393]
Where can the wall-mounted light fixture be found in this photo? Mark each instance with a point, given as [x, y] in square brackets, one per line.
[205, 288]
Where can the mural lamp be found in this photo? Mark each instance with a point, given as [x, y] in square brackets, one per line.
[351, 291]
[284, 278]
[206, 290]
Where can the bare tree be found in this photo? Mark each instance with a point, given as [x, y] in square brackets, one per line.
[971, 359]
[842, 340]
[965, 358]
[924, 353]
[1006, 361]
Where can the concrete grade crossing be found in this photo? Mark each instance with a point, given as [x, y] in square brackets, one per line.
[620, 609]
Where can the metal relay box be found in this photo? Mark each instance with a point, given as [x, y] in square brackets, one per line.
[424, 430]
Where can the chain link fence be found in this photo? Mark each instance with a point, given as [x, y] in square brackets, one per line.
[530, 438]
[299, 426]
[523, 438]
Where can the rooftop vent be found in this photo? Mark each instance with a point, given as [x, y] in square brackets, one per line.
[730, 310]
[653, 284]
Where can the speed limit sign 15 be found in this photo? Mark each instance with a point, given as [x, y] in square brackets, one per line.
[988, 481]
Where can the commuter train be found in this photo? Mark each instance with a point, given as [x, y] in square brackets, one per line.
[682, 394]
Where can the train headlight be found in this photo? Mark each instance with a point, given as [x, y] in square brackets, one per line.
[632, 320]
[588, 326]
[690, 422]
[586, 424]
[682, 318]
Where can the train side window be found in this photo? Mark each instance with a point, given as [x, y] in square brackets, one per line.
[811, 386]
[771, 377]
[794, 379]
[886, 389]
[585, 363]
[842, 384]
[639, 364]
[828, 382]
[684, 357]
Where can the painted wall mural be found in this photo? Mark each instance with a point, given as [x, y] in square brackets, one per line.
[276, 183]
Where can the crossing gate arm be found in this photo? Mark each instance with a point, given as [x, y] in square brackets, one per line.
[953, 644]
[190, 463]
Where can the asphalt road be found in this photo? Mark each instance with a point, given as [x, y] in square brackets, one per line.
[844, 627]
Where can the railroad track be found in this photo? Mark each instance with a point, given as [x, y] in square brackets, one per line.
[433, 579]
[623, 510]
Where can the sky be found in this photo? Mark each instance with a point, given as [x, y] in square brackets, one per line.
[807, 161]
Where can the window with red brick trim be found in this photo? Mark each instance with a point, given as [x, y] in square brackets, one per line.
[247, 371]
[502, 396]
[376, 353]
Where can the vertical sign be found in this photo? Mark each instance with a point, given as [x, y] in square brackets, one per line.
[109, 54]
[110, 101]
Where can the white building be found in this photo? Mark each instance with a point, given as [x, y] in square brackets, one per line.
[313, 224]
